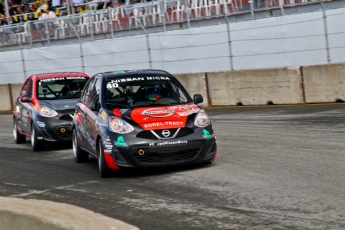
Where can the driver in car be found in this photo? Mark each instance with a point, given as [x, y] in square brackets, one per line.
[153, 93]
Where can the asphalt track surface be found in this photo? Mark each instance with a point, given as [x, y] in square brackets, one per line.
[278, 167]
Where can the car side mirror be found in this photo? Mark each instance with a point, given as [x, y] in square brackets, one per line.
[25, 98]
[198, 98]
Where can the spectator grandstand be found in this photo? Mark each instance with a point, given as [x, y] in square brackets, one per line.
[78, 18]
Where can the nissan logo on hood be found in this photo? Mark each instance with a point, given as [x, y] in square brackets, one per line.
[158, 112]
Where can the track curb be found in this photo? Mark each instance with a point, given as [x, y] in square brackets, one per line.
[31, 214]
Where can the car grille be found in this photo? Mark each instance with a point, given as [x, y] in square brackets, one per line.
[181, 156]
[149, 134]
[66, 117]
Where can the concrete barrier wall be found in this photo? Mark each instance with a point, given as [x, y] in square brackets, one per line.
[293, 85]
[324, 83]
[5, 98]
[194, 83]
[256, 87]
[18, 214]
[15, 89]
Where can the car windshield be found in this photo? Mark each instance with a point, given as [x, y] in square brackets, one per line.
[144, 91]
[60, 88]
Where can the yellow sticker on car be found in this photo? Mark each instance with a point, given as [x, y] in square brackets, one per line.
[104, 115]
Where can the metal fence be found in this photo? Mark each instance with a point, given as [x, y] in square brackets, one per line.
[140, 15]
[311, 38]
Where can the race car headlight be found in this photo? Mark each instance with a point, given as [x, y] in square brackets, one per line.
[47, 112]
[118, 125]
[201, 119]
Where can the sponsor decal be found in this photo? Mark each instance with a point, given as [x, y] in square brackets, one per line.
[207, 134]
[156, 112]
[107, 150]
[168, 143]
[59, 78]
[164, 124]
[119, 71]
[185, 110]
[107, 143]
[158, 118]
[103, 115]
[41, 124]
[148, 78]
[120, 142]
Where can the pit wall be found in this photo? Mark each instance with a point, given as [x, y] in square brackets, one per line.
[293, 85]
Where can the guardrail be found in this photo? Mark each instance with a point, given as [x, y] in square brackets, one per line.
[127, 17]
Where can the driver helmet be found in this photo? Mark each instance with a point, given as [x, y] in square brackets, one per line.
[153, 93]
[73, 86]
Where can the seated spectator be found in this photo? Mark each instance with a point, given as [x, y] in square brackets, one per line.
[56, 4]
[11, 12]
[3, 33]
[47, 14]
[20, 14]
[78, 6]
[115, 3]
[28, 12]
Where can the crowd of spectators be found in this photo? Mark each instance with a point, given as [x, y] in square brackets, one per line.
[27, 10]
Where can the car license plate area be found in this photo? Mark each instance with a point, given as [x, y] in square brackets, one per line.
[166, 154]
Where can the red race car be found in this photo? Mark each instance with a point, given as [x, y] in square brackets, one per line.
[45, 106]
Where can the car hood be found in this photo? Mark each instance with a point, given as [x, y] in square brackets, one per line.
[163, 117]
[65, 104]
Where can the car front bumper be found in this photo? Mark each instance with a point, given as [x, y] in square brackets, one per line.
[137, 152]
[54, 129]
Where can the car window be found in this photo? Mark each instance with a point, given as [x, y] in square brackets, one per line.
[143, 91]
[87, 97]
[24, 88]
[29, 90]
[95, 93]
[60, 88]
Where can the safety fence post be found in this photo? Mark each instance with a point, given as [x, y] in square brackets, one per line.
[148, 43]
[326, 31]
[229, 42]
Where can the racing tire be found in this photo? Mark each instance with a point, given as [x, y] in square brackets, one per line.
[36, 144]
[79, 155]
[18, 138]
[103, 168]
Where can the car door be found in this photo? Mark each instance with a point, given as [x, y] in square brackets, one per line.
[90, 122]
[19, 106]
[26, 108]
[81, 113]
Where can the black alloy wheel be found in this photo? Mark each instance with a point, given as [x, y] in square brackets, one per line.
[36, 144]
[103, 168]
[79, 155]
[18, 138]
